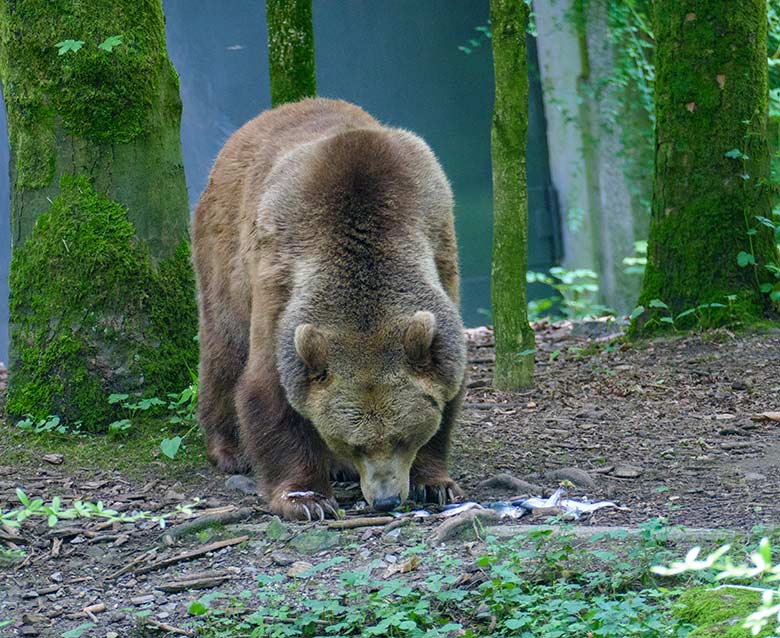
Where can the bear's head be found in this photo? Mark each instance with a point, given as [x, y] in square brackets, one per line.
[377, 397]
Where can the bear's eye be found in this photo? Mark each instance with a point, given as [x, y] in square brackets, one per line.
[434, 403]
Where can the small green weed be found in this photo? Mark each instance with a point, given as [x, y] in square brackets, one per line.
[578, 292]
[546, 585]
[54, 512]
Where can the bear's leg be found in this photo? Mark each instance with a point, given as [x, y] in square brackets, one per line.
[220, 366]
[292, 462]
[429, 480]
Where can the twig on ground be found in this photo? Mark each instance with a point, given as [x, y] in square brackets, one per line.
[203, 580]
[225, 517]
[189, 555]
[363, 521]
[149, 622]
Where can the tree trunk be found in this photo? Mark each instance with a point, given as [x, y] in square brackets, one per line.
[290, 50]
[514, 337]
[102, 292]
[711, 166]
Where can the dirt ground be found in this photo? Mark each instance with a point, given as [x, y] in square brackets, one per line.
[667, 428]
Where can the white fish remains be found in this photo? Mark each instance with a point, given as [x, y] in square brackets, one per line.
[569, 507]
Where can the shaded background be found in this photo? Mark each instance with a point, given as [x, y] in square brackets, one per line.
[400, 61]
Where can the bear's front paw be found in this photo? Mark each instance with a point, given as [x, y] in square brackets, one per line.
[304, 505]
[441, 490]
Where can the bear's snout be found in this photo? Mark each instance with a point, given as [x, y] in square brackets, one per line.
[388, 503]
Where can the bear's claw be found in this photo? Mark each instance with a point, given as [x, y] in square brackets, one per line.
[443, 492]
[302, 504]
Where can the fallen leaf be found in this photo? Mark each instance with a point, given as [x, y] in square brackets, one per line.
[299, 568]
[721, 80]
[691, 106]
[404, 567]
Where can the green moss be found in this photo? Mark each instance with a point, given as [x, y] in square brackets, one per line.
[93, 313]
[290, 50]
[93, 94]
[704, 198]
[718, 613]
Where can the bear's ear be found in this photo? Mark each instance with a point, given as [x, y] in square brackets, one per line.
[418, 336]
[312, 348]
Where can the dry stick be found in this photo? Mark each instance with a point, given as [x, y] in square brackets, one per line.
[366, 521]
[166, 627]
[203, 581]
[141, 557]
[202, 522]
[167, 562]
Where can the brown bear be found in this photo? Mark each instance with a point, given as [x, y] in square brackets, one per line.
[330, 335]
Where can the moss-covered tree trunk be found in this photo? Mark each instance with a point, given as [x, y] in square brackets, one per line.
[711, 166]
[102, 293]
[513, 334]
[290, 50]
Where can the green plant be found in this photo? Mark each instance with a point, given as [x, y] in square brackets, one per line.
[706, 314]
[50, 424]
[181, 407]
[746, 258]
[577, 290]
[54, 512]
[761, 572]
[636, 265]
[546, 585]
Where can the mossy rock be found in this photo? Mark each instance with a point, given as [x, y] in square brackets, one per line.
[93, 313]
[719, 613]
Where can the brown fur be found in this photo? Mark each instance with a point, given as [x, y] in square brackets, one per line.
[327, 270]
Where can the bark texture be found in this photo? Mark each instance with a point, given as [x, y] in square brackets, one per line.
[290, 50]
[712, 165]
[513, 335]
[102, 292]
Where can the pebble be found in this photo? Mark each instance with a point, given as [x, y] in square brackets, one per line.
[574, 474]
[142, 600]
[754, 476]
[241, 483]
[282, 559]
[628, 471]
